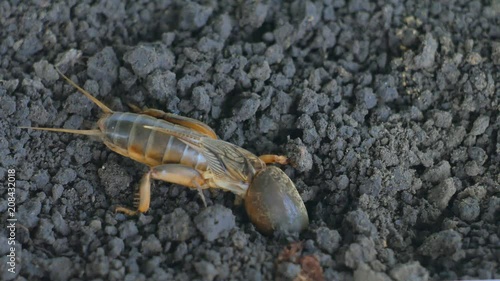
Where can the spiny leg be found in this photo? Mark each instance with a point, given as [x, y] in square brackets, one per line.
[142, 197]
[172, 173]
[272, 159]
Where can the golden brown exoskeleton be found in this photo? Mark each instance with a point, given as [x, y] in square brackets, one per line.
[186, 151]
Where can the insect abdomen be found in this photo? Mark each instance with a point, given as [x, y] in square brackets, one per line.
[125, 134]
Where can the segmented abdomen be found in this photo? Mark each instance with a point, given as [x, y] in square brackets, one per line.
[125, 133]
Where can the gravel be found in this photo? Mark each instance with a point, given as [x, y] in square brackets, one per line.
[388, 113]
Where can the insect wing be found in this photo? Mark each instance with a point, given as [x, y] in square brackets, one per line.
[230, 157]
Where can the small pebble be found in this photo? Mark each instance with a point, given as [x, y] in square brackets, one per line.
[214, 222]
[206, 269]
[442, 193]
[128, 229]
[468, 209]
[328, 240]
[410, 271]
[480, 125]
[176, 226]
[444, 243]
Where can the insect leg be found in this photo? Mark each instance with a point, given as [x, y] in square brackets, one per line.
[182, 175]
[143, 196]
[172, 173]
[271, 159]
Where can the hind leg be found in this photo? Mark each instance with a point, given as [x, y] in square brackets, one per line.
[172, 173]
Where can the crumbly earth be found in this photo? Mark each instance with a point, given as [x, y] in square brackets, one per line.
[389, 112]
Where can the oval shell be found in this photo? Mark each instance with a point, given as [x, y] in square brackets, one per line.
[273, 203]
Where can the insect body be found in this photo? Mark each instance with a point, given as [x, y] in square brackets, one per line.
[185, 151]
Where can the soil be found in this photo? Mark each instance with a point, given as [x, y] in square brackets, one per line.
[389, 112]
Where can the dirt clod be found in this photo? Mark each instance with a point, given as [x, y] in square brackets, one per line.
[387, 111]
[214, 222]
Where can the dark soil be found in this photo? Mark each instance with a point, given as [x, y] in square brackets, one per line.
[389, 112]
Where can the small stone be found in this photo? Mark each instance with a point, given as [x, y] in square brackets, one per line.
[57, 191]
[239, 239]
[145, 58]
[127, 78]
[161, 85]
[201, 99]
[389, 156]
[110, 230]
[474, 58]
[206, 269]
[223, 26]
[359, 253]
[246, 108]
[65, 176]
[260, 71]
[328, 240]
[477, 154]
[359, 223]
[410, 271]
[151, 246]
[274, 54]
[128, 229]
[468, 209]
[289, 270]
[491, 211]
[366, 98]
[438, 173]
[426, 59]
[495, 52]
[214, 222]
[28, 213]
[114, 178]
[308, 102]
[28, 46]
[44, 232]
[115, 247]
[98, 265]
[364, 272]
[60, 225]
[473, 169]
[442, 119]
[78, 103]
[180, 251]
[387, 93]
[61, 268]
[194, 15]
[176, 226]
[442, 193]
[253, 14]
[103, 66]
[477, 191]
[7, 105]
[227, 127]
[480, 125]
[479, 79]
[444, 243]
[45, 71]
[95, 225]
[298, 155]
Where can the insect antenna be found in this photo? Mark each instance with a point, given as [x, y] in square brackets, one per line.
[87, 94]
[95, 132]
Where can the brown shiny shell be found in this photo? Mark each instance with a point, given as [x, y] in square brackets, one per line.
[273, 203]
